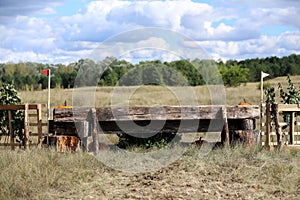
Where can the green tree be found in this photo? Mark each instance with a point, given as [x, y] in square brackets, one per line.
[234, 75]
[151, 75]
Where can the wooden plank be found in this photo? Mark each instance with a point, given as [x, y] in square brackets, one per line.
[289, 107]
[38, 134]
[37, 124]
[26, 126]
[274, 133]
[19, 107]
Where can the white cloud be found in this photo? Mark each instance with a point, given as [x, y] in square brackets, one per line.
[228, 29]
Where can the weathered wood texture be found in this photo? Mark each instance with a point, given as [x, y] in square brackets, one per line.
[246, 137]
[157, 113]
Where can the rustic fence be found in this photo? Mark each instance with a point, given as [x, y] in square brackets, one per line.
[277, 132]
[32, 118]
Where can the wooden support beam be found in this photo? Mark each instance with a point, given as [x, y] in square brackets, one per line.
[94, 126]
[292, 128]
[268, 125]
[39, 123]
[226, 129]
[26, 126]
[11, 131]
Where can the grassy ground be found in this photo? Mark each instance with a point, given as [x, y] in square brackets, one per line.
[237, 173]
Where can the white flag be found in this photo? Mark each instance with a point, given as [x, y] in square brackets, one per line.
[263, 74]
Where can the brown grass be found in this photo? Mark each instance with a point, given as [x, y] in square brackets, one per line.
[236, 173]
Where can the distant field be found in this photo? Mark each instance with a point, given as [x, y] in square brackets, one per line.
[156, 95]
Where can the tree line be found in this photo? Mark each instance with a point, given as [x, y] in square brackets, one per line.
[111, 72]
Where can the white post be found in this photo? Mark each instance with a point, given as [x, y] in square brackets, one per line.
[261, 98]
[262, 76]
[49, 85]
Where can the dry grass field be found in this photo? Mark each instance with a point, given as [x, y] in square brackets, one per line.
[237, 173]
[229, 173]
[156, 95]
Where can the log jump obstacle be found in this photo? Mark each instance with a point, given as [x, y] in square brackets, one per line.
[232, 122]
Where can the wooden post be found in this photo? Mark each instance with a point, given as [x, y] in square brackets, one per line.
[225, 127]
[275, 112]
[268, 125]
[39, 124]
[26, 127]
[49, 95]
[11, 132]
[94, 121]
[292, 128]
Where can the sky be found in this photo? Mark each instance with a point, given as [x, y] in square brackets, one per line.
[64, 31]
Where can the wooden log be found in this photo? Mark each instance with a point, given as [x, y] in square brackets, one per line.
[177, 113]
[245, 137]
[165, 112]
[248, 124]
[70, 114]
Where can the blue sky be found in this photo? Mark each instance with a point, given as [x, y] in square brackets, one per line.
[62, 31]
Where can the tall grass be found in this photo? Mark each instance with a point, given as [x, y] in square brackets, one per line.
[236, 173]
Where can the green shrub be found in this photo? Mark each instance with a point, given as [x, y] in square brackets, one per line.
[9, 95]
[160, 140]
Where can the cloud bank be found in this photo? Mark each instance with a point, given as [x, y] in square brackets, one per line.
[41, 31]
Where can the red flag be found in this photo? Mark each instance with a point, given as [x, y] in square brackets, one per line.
[46, 72]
